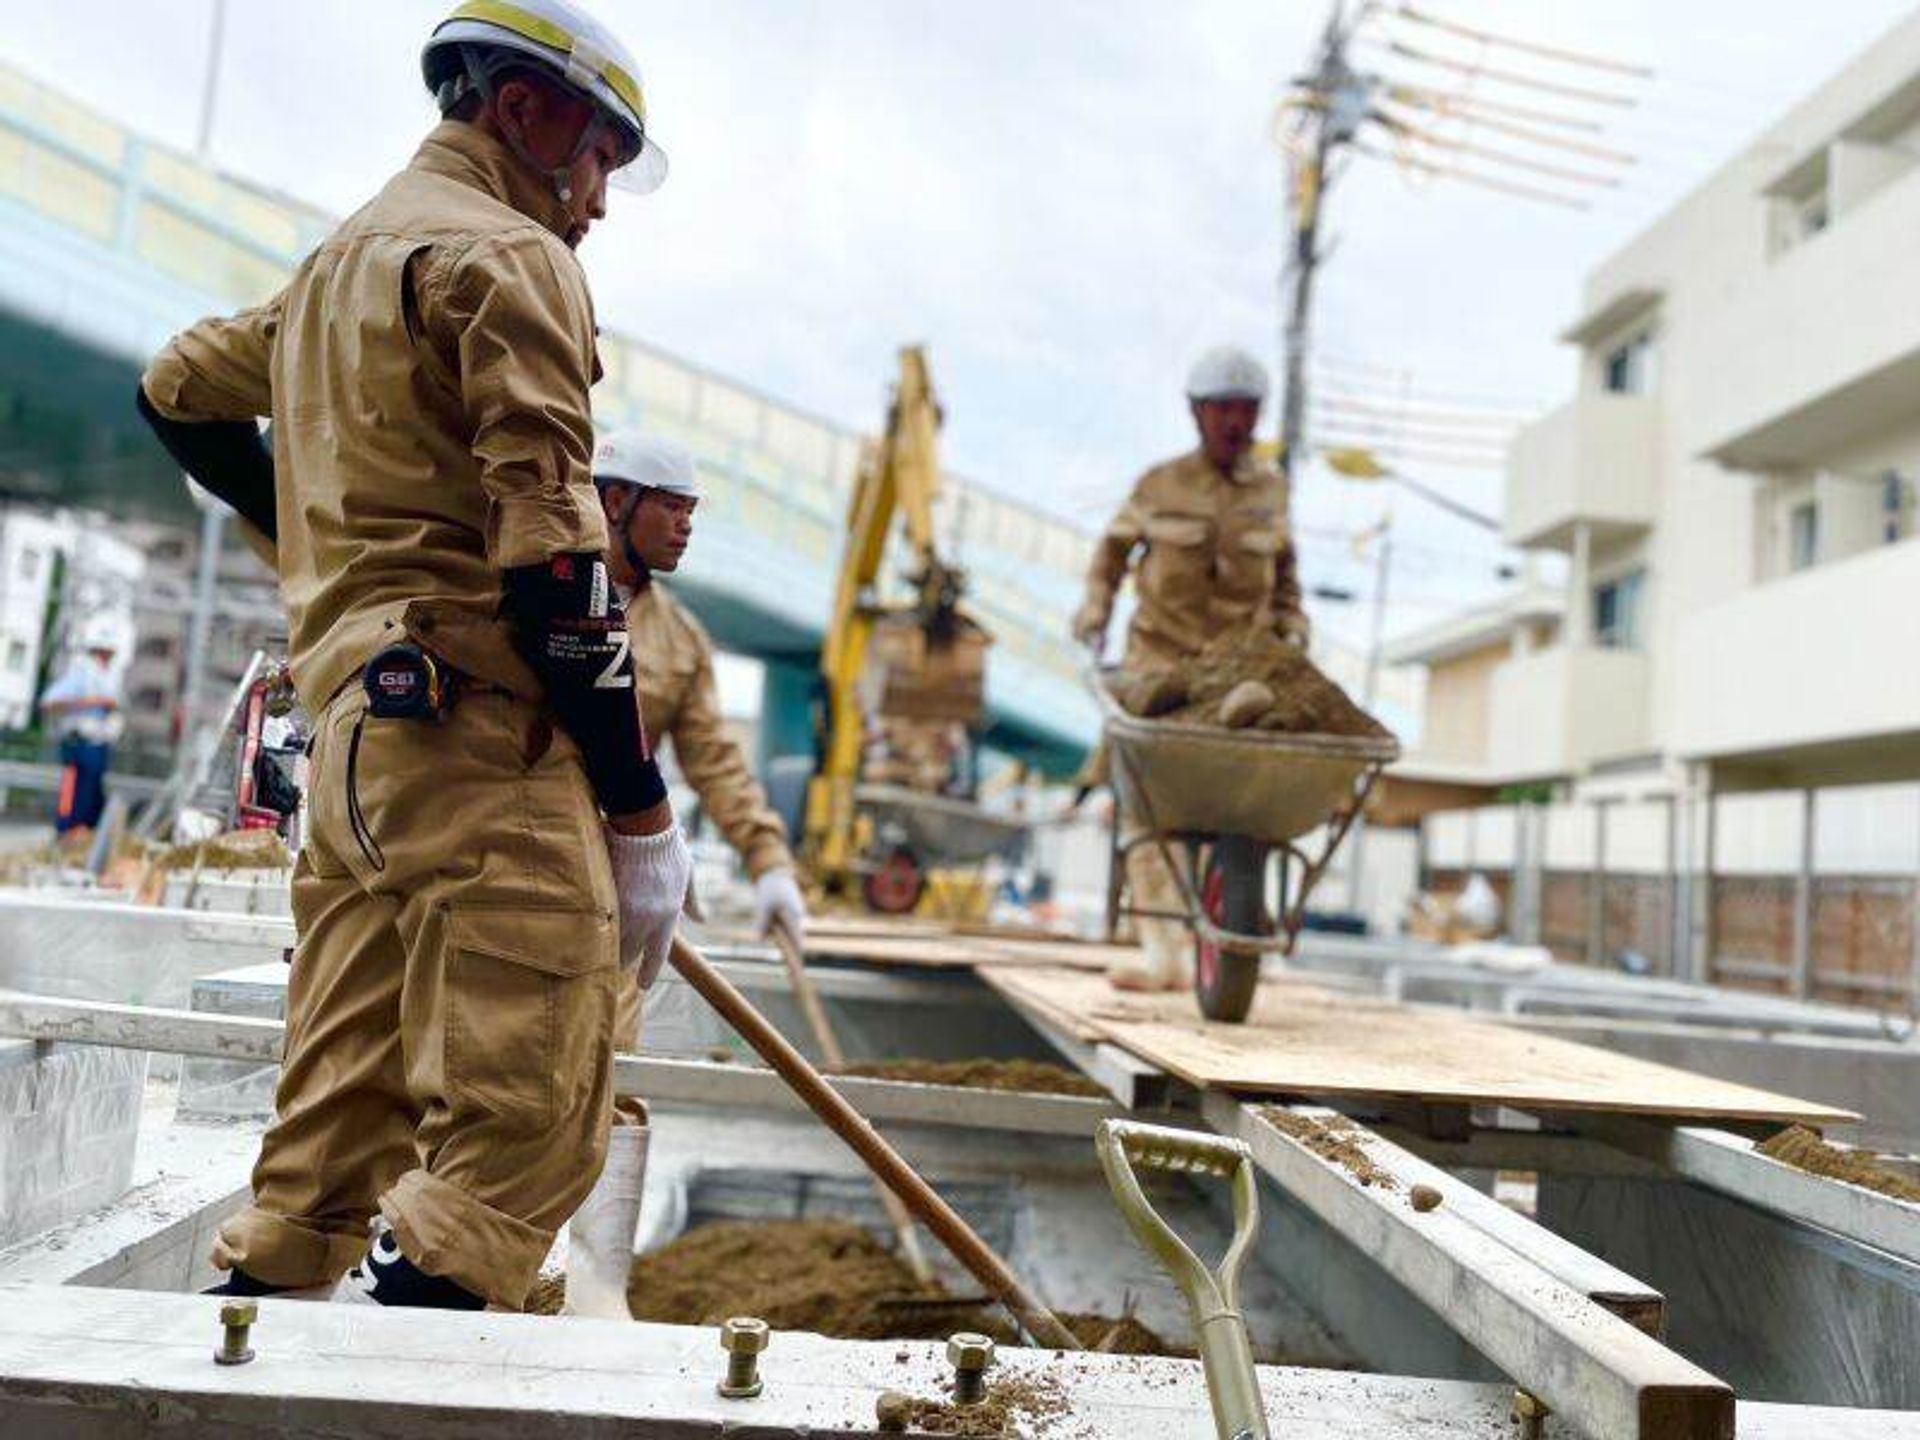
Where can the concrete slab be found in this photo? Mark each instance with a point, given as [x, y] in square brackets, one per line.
[111, 1365]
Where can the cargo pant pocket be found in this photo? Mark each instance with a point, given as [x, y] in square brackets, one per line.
[530, 998]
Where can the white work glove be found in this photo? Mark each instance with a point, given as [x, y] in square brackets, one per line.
[653, 876]
[777, 901]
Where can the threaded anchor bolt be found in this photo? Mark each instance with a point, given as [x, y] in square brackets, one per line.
[970, 1355]
[1530, 1413]
[743, 1338]
[236, 1320]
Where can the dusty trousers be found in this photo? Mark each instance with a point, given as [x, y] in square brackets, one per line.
[1165, 960]
[450, 1012]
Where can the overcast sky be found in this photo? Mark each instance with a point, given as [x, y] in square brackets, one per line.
[1066, 199]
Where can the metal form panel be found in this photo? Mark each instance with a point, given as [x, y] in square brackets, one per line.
[1593, 1368]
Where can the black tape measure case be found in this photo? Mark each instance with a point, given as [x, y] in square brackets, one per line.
[404, 682]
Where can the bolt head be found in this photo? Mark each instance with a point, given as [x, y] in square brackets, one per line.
[239, 1312]
[1529, 1407]
[967, 1351]
[744, 1335]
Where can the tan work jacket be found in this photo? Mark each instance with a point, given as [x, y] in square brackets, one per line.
[1215, 551]
[427, 371]
[673, 659]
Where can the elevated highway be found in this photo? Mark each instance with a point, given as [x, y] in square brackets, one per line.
[110, 242]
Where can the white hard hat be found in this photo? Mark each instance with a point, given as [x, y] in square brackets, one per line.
[97, 636]
[629, 457]
[562, 39]
[1227, 373]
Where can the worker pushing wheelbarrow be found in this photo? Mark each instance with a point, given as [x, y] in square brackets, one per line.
[1230, 801]
[1209, 800]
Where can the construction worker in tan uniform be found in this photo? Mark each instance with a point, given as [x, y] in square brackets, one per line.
[1207, 542]
[489, 842]
[649, 490]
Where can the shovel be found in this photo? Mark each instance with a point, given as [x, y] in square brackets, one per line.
[1213, 1300]
[886, 1163]
[836, 1059]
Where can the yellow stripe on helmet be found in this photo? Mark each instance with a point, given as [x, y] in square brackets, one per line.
[543, 31]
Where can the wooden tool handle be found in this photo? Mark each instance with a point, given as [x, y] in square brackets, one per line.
[866, 1142]
[808, 997]
[836, 1058]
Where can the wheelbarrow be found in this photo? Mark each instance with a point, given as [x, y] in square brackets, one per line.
[914, 831]
[1236, 799]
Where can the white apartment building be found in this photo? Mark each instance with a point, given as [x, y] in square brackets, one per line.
[98, 575]
[1733, 485]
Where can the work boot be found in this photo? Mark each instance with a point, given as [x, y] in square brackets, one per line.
[386, 1277]
[240, 1284]
[600, 1235]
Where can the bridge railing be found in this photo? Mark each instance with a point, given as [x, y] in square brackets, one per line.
[783, 475]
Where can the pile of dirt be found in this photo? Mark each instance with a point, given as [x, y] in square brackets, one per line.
[1331, 1140]
[831, 1277]
[1801, 1148]
[1034, 1077]
[1248, 679]
[1009, 1401]
[233, 850]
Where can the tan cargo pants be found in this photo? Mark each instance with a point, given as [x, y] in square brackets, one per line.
[450, 1014]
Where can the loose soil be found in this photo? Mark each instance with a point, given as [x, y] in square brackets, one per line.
[1801, 1148]
[1331, 1140]
[1033, 1077]
[1303, 701]
[1024, 1397]
[830, 1277]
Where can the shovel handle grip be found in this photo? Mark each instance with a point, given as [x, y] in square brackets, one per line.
[1193, 1152]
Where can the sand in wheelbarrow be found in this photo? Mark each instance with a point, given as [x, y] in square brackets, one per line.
[1300, 700]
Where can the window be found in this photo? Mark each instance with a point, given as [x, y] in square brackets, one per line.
[155, 647]
[1803, 536]
[1617, 606]
[1630, 367]
[29, 564]
[150, 698]
[16, 656]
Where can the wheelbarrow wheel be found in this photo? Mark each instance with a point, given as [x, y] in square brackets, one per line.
[1233, 875]
[895, 885]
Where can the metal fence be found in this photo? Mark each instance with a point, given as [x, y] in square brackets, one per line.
[1814, 894]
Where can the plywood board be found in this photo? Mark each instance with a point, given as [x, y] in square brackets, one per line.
[1304, 1041]
[922, 945]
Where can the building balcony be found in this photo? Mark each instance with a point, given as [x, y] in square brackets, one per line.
[1562, 710]
[1823, 347]
[1809, 677]
[1594, 462]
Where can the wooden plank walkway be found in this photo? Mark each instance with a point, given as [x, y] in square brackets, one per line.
[1304, 1041]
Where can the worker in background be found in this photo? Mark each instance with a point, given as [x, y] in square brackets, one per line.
[1206, 539]
[490, 844]
[649, 491]
[82, 709]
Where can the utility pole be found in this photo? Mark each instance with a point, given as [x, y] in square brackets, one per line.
[1369, 692]
[210, 85]
[1333, 102]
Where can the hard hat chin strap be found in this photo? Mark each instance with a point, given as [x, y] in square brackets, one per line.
[642, 572]
[559, 177]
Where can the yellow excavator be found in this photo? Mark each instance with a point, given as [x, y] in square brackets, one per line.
[913, 668]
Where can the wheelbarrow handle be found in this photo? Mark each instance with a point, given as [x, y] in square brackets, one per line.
[1126, 1147]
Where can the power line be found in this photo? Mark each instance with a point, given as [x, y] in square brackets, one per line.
[1472, 177]
[1417, 415]
[1530, 47]
[1408, 131]
[1474, 71]
[1408, 453]
[1381, 391]
[1441, 108]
